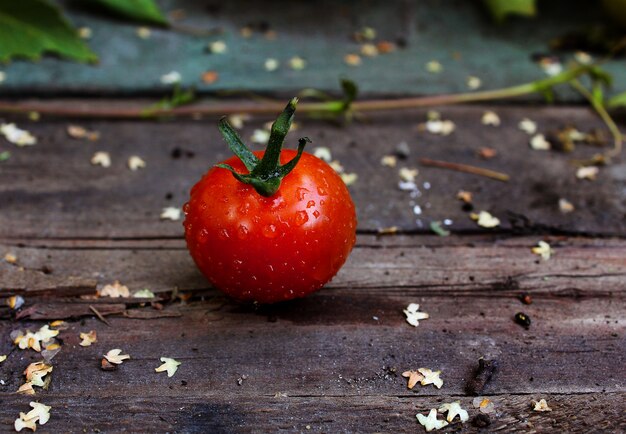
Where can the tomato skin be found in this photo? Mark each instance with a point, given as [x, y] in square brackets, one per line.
[270, 249]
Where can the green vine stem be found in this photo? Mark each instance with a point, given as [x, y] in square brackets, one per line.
[599, 107]
[336, 107]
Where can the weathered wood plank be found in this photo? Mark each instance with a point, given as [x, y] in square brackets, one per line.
[459, 34]
[331, 344]
[51, 190]
[398, 265]
[241, 412]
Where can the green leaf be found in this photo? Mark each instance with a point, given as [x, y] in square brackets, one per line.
[500, 9]
[29, 28]
[435, 226]
[618, 100]
[179, 97]
[137, 10]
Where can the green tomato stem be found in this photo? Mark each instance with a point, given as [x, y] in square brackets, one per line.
[264, 175]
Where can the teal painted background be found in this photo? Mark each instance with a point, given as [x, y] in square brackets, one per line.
[320, 32]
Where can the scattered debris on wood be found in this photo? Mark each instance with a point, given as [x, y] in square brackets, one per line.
[484, 405]
[88, 338]
[481, 376]
[116, 357]
[17, 136]
[431, 422]
[101, 158]
[490, 118]
[454, 409]
[171, 213]
[499, 176]
[414, 377]
[78, 132]
[135, 163]
[522, 319]
[541, 405]
[413, 316]
[169, 365]
[114, 290]
[485, 219]
[543, 249]
[430, 377]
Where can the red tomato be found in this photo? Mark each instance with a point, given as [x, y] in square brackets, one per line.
[269, 249]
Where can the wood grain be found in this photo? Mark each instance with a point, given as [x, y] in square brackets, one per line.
[51, 190]
[242, 412]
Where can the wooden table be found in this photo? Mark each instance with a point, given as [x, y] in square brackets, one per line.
[331, 362]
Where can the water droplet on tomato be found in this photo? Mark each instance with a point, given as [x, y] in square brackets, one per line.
[223, 234]
[310, 203]
[269, 231]
[244, 208]
[322, 202]
[301, 192]
[316, 213]
[203, 235]
[224, 199]
[186, 208]
[242, 233]
[321, 191]
[301, 218]
[203, 206]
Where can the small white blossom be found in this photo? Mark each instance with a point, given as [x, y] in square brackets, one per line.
[101, 159]
[543, 249]
[587, 172]
[431, 422]
[442, 127]
[349, 178]
[40, 413]
[143, 293]
[323, 153]
[490, 118]
[16, 135]
[170, 213]
[528, 126]
[413, 316]
[434, 67]
[169, 365]
[135, 162]
[297, 63]
[485, 219]
[218, 47]
[407, 175]
[171, 78]
[271, 64]
[583, 58]
[389, 160]
[237, 120]
[430, 377]
[539, 143]
[260, 136]
[85, 33]
[541, 405]
[473, 82]
[454, 409]
[484, 405]
[116, 357]
[565, 206]
[143, 32]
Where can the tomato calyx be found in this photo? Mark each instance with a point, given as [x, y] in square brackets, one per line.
[265, 174]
